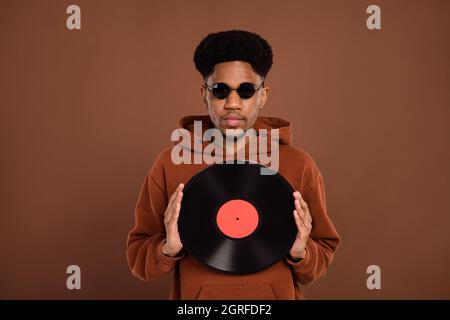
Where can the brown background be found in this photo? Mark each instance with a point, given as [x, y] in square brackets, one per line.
[84, 113]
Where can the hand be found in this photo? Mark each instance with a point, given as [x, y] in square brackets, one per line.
[304, 224]
[173, 244]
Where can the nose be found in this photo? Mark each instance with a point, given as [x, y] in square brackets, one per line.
[233, 101]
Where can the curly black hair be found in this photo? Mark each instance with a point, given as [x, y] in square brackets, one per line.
[233, 45]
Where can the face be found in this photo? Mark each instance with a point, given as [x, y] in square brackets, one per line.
[233, 112]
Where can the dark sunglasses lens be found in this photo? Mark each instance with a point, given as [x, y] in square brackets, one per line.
[246, 90]
[220, 90]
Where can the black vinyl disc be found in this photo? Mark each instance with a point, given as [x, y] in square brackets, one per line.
[236, 220]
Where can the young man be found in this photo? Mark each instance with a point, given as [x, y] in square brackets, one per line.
[234, 65]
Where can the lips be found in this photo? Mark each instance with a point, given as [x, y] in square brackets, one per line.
[232, 121]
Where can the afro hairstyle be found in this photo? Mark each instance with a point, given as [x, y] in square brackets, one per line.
[233, 45]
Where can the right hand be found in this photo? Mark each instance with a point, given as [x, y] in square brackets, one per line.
[173, 245]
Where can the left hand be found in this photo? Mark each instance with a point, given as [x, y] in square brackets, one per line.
[304, 224]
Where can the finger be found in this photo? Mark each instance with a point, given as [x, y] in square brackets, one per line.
[305, 207]
[300, 211]
[177, 203]
[308, 216]
[309, 226]
[173, 198]
[298, 207]
[298, 221]
[302, 201]
[174, 194]
[306, 219]
[177, 200]
[174, 216]
[176, 213]
[304, 214]
[303, 229]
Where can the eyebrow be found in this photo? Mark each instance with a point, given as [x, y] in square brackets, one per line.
[229, 84]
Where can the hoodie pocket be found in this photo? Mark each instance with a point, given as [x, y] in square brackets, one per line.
[261, 291]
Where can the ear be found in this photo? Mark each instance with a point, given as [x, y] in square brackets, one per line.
[264, 97]
[203, 92]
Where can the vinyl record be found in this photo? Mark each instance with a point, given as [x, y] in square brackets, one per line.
[235, 220]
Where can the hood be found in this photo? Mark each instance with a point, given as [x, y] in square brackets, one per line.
[285, 129]
[192, 136]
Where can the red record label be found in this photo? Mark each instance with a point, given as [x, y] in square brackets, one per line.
[237, 218]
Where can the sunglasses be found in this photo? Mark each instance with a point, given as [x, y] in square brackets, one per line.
[246, 90]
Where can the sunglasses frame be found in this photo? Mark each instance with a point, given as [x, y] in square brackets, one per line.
[231, 89]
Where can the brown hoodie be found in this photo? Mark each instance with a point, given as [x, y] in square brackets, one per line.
[191, 279]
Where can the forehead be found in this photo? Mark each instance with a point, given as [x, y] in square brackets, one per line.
[233, 73]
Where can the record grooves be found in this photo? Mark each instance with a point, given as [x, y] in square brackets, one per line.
[235, 220]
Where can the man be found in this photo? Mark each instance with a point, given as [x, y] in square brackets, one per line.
[234, 65]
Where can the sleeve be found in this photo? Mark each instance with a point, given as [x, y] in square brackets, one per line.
[323, 239]
[145, 240]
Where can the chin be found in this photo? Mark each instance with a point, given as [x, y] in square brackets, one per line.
[236, 133]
